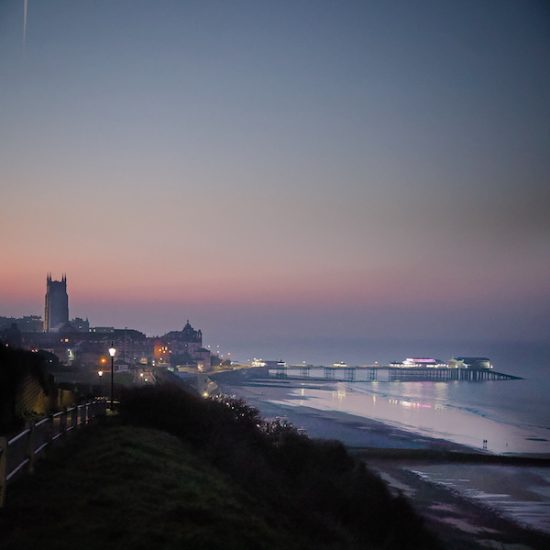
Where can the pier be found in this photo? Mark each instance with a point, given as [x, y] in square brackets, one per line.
[388, 374]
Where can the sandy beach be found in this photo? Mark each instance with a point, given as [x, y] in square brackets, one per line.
[352, 430]
[471, 520]
[272, 399]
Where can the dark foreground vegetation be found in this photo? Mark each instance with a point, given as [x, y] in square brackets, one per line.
[179, 471]
[125, 488]
[17, 369]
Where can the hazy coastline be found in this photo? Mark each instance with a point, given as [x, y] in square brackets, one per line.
[352, 430]
[401, 415]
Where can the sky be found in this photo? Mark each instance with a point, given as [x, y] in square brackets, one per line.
[284, 174]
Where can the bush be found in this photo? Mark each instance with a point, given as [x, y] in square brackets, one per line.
[315, 487]
[16, 366]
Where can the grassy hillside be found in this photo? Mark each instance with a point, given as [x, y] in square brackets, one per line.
[178, 471]
[132, 488]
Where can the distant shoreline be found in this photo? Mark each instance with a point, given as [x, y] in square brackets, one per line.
[441, 455]
[332, 424]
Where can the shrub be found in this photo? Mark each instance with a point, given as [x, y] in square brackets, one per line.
[316, 487]
[17, 366]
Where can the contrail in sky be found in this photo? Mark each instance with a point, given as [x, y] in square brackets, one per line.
[25, 13]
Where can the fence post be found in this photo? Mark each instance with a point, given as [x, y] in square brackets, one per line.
[3, 469]
[63, 422]
[50, 429]
[30, 447]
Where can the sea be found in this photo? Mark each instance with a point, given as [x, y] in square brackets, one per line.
[501, 417]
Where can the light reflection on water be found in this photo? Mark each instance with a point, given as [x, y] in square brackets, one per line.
[425, 408]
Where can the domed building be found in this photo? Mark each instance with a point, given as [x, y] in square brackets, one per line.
[185, 347]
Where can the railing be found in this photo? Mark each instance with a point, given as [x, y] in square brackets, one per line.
[388, 374]
[19, 453]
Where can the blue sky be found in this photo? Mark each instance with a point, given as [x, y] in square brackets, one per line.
[280, 168]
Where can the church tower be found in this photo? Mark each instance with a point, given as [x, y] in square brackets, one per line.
[56, 311]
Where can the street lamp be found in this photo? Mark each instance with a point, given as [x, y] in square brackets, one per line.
[112, 352]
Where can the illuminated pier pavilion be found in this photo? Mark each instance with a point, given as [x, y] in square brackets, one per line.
[389, 373]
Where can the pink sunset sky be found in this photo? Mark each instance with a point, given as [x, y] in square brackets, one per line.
[272, 170]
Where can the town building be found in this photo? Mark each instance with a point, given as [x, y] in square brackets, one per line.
[28, 323]
[419, 362]
[79, 345]
[56, 310]
[183, 348]
[80, 325]
[471, 362]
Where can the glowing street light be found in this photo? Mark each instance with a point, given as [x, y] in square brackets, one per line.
[112, 352]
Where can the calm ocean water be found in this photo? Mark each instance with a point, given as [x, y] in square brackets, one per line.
[461, 412]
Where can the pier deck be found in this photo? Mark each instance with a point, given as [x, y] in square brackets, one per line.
[388, 374]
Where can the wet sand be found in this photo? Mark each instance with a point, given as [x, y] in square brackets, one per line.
[466, 522]
[354, 431]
